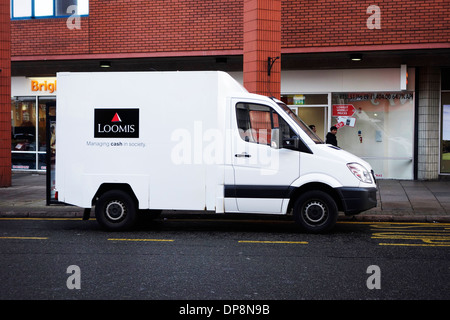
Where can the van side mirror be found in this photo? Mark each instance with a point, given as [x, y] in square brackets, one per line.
[292, 143]
[275, 139]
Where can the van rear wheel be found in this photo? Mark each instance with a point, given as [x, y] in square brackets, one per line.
[315, 211]
[115, 210]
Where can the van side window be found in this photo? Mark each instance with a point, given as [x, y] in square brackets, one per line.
[255, 123]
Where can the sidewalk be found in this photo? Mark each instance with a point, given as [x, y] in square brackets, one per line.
[398, 200]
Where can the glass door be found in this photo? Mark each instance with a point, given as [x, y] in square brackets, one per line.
[50, 141]
[312, 109]
[445, 133]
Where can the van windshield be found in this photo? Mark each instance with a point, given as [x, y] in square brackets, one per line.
[300, 123]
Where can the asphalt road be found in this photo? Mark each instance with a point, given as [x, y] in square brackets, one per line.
[213, 259]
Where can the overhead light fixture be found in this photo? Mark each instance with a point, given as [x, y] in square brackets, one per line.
[221, 60]
[105, 64]
[356, 57]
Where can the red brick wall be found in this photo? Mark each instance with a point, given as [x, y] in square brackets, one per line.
[138, 26]
[37, 37]
[324, 23]
[134, 27]
[162, 26]
[5, 96]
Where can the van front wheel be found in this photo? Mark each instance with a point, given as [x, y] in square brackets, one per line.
[315, 211]
[115, 210]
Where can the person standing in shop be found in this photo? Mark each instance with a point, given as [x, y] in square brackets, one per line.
[331, 136]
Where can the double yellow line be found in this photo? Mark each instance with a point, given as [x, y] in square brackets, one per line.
[413, 235]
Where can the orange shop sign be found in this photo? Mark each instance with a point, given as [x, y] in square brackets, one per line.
[43, 85]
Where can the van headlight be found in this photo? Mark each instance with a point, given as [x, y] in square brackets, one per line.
[360, 172]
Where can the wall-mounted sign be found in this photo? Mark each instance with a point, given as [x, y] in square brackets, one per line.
[375, 96]
[33, 86]
[43, 85]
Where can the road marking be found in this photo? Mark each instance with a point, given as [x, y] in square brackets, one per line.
[412, 235]
[25, 238]
[283, 242]
[149, 240]
[413, 245]
[396, 224]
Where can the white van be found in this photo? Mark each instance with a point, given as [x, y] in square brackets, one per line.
[133, 143]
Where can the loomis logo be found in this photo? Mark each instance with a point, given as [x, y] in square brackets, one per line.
[116, 123]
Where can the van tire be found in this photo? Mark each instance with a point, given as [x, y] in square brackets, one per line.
[115, 210]
[315, 211]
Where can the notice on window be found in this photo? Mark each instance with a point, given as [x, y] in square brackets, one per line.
[344, 114]
[343, 110]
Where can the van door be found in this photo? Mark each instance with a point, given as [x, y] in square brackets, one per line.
[262, 174]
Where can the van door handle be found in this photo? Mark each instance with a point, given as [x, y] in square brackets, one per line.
[242, 155]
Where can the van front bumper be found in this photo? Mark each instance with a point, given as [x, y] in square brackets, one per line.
[356, 200]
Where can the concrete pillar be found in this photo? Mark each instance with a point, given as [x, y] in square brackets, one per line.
[262, 39]
[5, 95]
[429, 90]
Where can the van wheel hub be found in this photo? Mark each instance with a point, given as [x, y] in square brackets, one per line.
[116, 210]
[315, 212]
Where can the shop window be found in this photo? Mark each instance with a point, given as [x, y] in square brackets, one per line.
[29, 132]
[27, 9]
[23, 133]
[379, 128]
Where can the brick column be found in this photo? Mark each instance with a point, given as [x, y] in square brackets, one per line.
[262, 39]
[5, 95]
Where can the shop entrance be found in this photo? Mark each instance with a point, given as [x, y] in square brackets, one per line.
[445, 133]
[312, 109]
[315, 116]
[51, 151]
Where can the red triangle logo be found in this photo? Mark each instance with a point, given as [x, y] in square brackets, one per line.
[116, 118]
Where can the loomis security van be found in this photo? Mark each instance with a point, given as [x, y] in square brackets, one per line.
[138, 142]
